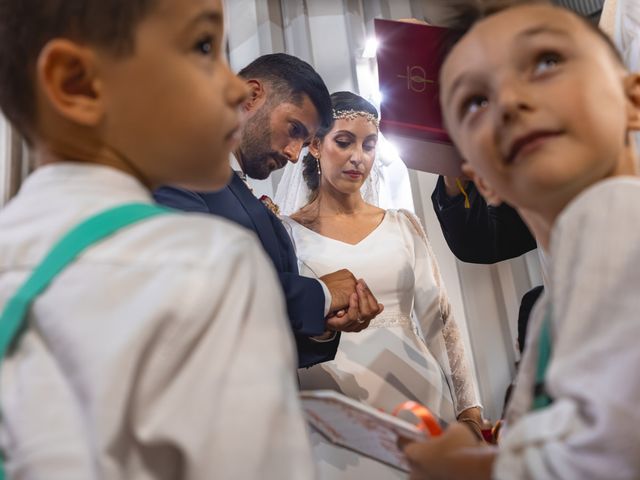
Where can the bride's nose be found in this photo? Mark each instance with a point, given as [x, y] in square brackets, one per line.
[357, 157]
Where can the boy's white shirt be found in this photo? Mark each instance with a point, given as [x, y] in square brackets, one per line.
[591, 430]
[163, 352]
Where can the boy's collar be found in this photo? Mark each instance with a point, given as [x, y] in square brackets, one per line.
[76, 176]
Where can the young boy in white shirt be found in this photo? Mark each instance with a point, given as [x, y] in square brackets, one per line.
[542, 109]
[144, 358]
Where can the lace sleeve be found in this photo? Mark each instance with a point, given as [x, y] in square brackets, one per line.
[461, 377]
[458, 368]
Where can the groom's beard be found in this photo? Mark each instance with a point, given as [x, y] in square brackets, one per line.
[258, 159]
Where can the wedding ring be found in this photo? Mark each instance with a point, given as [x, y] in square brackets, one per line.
[360, 320]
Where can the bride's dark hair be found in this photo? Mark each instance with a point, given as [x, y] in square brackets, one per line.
[340, 101]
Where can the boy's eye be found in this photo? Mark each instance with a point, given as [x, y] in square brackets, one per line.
[473, 104]
[546, 61]
[204, 46]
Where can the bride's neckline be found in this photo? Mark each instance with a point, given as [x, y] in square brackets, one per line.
[375, 229]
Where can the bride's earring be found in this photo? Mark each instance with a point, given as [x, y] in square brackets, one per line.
[318, 162]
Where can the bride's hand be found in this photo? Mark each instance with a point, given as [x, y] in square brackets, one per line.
[363, 307]
[472, 418]
[368, 305]
[347, 320]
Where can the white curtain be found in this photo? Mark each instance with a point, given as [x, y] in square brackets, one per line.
[4, 151]
[627, 32]
[14, 161]
[621, 20]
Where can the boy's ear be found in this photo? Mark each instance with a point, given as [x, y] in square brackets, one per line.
[67, 75]
[257, 95]
[483, 187]
[314, 147]
[632, 89]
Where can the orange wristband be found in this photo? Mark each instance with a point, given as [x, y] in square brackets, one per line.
[426, 419]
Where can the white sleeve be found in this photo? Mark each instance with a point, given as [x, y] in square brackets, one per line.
[219, 389]
[433, 313]
[328, 298]
[591, 429]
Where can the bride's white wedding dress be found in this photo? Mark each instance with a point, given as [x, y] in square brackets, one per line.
[412, 351]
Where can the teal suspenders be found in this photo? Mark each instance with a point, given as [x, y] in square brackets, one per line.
[84, 235]
[541, 398]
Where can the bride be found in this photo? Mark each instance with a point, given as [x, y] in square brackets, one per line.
[413, 350]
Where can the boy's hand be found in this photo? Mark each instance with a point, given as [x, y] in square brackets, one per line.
[456, 454]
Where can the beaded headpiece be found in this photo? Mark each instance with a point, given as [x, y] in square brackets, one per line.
[351, 114]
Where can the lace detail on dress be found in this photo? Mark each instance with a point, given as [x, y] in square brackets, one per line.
[391, 320]
[461, 378]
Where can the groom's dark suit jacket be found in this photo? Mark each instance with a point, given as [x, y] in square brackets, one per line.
[304, 296]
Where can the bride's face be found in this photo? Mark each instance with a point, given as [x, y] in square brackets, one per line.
[347, 154]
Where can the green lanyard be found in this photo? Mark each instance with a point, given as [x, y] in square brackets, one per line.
[74, 242]
[541, 398]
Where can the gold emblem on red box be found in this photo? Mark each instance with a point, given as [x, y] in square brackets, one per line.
[417, 80]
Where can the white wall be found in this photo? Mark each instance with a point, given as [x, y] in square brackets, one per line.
[4, 159]
[330, 34]
[14, 161]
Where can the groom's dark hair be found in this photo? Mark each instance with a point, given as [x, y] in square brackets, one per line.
[290, 78]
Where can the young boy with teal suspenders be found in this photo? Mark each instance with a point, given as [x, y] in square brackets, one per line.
[543, 110]
[128, 348]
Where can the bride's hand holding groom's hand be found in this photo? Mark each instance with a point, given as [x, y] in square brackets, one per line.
[352, 301]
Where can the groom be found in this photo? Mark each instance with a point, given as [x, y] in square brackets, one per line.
[287, 104]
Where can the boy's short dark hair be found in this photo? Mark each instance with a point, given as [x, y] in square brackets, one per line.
[27, 25]
[467, 14]
[291, 77]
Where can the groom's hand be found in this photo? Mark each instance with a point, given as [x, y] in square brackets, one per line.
[341, 285]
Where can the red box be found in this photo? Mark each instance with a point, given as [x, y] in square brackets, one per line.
[409, 57]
